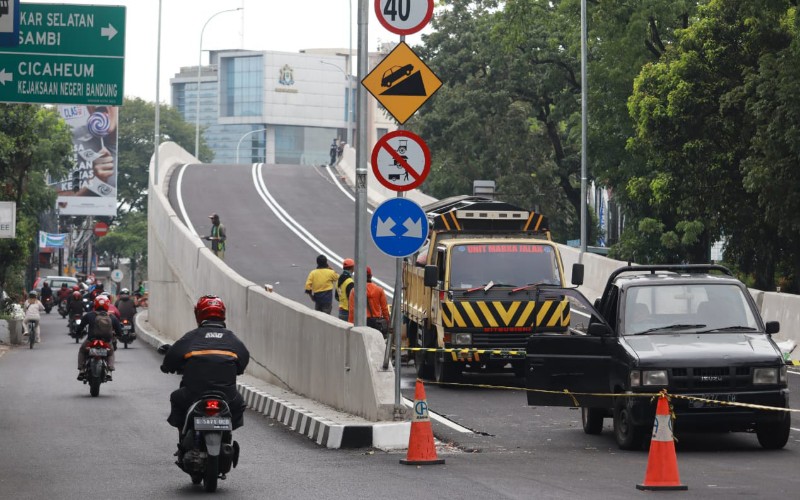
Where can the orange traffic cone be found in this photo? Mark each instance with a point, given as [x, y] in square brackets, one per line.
[662, 464]
[421, 450]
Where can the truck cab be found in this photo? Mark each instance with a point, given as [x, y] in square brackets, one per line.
[470, 295]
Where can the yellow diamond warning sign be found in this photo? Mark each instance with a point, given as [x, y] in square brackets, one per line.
[401, 82]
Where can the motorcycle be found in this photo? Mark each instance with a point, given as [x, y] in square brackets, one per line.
[74, 324]
[62, 308]
[128, 335]
[96, 367]
[208, 451]
[47, 302]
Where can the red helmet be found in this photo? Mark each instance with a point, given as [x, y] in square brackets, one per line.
[348, 263]
[101, 303]
[209, 307]
[76, 295]
[76, 288]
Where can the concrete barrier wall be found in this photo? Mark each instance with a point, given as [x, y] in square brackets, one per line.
[310, 353]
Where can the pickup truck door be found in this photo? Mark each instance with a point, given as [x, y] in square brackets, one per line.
[575, 361]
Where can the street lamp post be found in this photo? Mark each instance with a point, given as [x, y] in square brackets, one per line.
[349, 103]
[199, 66]
[242, 138]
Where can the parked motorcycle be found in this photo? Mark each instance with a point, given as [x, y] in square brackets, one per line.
[62, 308]
[47, 302]
[96, 367]
[208, 451]
[128, 335]
[74, 324]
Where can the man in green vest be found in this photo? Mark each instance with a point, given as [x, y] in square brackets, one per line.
[217, 237]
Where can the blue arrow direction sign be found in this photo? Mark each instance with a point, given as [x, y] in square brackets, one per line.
[399, 227]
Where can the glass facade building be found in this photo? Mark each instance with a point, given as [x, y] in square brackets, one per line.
[269, 107]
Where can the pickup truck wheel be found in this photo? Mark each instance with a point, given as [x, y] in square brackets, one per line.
[592, 419]
[772, 436]
[446, 372]
[628, 435]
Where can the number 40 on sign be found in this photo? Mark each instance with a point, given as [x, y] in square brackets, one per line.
[404, 17]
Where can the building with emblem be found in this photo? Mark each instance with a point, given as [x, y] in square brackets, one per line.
[274, 107]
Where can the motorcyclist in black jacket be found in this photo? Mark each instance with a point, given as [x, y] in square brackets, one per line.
[210, 357]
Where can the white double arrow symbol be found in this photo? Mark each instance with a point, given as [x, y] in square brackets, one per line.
[413, 228]
[6, 77]
[110, 32]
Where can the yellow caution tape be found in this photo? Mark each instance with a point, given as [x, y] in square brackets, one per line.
[663, 392]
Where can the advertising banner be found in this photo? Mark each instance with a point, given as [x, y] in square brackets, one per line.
[8, 219]
[51, 240]
[91, 186]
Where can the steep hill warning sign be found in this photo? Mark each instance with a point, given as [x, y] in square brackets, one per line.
[401, 82]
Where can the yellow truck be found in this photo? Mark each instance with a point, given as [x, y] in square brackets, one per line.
[477, 286]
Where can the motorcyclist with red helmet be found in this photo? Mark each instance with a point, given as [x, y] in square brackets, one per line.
[92, 320]
[209, 357]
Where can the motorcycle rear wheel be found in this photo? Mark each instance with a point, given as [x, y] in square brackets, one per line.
[94, 386]
[196, 478]
[211, 474]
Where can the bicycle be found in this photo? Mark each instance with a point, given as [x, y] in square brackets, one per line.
[31, 332]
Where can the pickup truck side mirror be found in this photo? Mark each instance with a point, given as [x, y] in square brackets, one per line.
[431, 276]
[577, 274]
[773, 326]
[599, 330]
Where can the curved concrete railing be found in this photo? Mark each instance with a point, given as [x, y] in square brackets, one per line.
[307, 352]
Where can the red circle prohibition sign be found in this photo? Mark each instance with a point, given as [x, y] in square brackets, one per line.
[404, 17]
[403, 139]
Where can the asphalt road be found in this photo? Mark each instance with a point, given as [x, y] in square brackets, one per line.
[58, 442]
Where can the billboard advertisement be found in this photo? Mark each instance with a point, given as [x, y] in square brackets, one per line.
[91, 185]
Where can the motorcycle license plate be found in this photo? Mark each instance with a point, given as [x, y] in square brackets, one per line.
[126, 328]
[95, 351]
[212, 424]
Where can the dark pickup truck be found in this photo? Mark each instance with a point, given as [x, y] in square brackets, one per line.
[693, 330]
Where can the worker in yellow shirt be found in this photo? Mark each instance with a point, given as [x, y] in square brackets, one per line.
[320, 284]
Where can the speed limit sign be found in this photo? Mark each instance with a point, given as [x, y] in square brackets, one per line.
[404, 17]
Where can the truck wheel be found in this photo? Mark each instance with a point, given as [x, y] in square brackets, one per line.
[592, 419]
[424, 369]
[628, 435]
[446, 372]
[774, 437]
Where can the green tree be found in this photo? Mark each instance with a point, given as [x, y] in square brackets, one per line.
[136, 135]
[693, 134]
[33, 142]
[127, 238]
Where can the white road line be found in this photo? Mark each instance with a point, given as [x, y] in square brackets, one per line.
[793, 372]
[342, 188]
[178, 191]
[296, 228]
[441, 419]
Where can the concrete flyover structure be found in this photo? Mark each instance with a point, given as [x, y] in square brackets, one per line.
[307, 352]
[311, 354]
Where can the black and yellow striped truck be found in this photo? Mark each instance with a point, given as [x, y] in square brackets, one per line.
[477, 285]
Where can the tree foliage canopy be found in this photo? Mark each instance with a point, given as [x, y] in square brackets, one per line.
[694, 122]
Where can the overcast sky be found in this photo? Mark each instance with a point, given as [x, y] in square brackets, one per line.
[288, 26]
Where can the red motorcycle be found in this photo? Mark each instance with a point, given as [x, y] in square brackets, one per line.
[96, 367]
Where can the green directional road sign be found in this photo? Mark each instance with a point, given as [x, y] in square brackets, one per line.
[67, 54]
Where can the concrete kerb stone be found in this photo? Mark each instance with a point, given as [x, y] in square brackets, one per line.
[320, 423]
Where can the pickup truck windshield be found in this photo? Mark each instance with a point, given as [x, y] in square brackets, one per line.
[473, 265]
[707, 306]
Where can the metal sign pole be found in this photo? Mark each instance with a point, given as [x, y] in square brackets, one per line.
[360, 303]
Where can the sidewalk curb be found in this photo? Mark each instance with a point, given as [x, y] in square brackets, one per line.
[322, 430]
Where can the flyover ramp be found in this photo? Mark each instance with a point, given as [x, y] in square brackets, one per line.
[309, 353]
